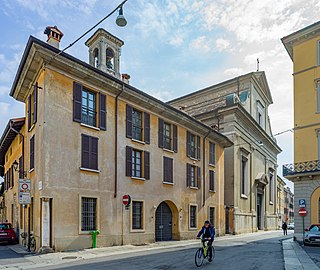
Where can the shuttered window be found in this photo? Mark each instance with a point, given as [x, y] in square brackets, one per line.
[146, 128]
[137, 215]
[102, 111]
[29, 112]
[244, 175]
[211, 215]
[12, 176]
[89, 152]
[167, 170]
[88, 214]
[167, 135]
[21, 168]
[211, 181]
[88, 108]
[193, 146]
[35, 103]
[137, 125]
[193, 176]
[193, 216]
[32, 153]
[137, 163]
[212, 150]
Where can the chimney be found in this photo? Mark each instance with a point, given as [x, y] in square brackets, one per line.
[125, 78]
[54, 36]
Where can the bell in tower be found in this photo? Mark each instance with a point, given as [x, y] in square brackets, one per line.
[105, 51]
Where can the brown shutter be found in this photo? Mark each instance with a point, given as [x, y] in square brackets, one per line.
[198, 148]
[35, 103]
[21, 167]
[165, 169]
[146, 165]
[77, 102]
[85, 151]
[102, 111]
[212, 153]
[211, 173]
[160, 132]
[128, 161]
[5, 181]
[32, 152]
[129, 122]
[188, 174]
[188, 144]
[175, 138]
[93, 153]
[199, 177]
[147, 128]
[171, 170]
[12, 176]
[29, 112]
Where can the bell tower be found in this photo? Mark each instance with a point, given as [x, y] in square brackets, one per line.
[105, 51]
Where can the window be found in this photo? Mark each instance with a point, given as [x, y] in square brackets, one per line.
[244, 175]
[260, 114]
[136, 125]
[89, 152]
[88, 116]
[167, 135]
[32, 153]
[32, 106]
[193, 216]
[211, 215]
[271, 185]
[88, 214]
[193, 176]
[137, 215]
[211, 179]
[193, 146]
[85, 107]
[212, 151]
[96, 57]
[167, 170]
[109, 59]
[137, 163]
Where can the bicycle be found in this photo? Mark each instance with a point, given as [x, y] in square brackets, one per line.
[32, 243]
[204, 252]
[24, 239]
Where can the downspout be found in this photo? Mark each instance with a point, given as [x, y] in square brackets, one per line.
[116, 144]
[204, 169]
[251, 189]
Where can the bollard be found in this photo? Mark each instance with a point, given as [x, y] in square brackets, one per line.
[94, 238]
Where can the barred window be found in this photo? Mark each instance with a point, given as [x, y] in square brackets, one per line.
[167, 136]
[211, 215]
[136, 163]
[193, 176]
[136, 125]
[88, 214]
[88, 108]
[193, 145]
[193, 216]
[137, 215]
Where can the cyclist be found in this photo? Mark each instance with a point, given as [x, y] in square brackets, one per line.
[208, 233]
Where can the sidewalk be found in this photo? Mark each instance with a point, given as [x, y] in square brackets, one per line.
[86, 254]
[295, 257]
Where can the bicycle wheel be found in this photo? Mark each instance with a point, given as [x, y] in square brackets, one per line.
[23, 242]
[199, 257]
[33, 244]
[213, 252]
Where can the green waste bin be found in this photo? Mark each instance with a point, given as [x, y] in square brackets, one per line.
[94, 238]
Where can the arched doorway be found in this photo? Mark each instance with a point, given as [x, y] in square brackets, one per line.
[315, 206]
[163, 222]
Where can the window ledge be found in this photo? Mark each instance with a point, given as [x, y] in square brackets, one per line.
[168, 183]
[88, 126]
[86, 232]
[31, 128]
[168, 150]
[138, 141]
[137, 230]
[212, 165]
[243, 196]
[271, 203]
[195, 188]
[193, 229]
[138, 178]
[212, 191]
[194, 159]
[89, 170]
[31, 170]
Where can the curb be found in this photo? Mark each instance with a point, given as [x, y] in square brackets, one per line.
[295, 258]
[19, 249]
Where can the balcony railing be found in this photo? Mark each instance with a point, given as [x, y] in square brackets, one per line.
[301, 168]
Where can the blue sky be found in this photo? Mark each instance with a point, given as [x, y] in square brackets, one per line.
[172, 47]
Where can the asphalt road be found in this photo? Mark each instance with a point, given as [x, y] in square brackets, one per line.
[241, 253]
[314, 253]
[7, 256]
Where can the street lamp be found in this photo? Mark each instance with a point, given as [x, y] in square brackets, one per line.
[21, 172]
[121, 20]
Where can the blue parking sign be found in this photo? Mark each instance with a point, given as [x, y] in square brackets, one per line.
[302, 203]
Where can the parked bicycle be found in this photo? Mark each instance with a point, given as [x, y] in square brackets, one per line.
[32, 240]
[204, 252]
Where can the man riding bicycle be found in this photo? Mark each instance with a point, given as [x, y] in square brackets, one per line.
[208, 233]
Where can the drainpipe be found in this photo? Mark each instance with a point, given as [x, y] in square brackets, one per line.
[204, 169]
[116, 144]
[251, 189]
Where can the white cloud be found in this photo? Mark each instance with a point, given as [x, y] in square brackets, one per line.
[233, 71]
[201, 44]
[4, 90]
[222, 44]
[4, 108]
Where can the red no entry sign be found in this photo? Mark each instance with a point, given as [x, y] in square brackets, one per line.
[126, 200]
[302, 212]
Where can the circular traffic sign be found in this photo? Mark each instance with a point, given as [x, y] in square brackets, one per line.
[302, 212]
[126, 200]
[24, 186]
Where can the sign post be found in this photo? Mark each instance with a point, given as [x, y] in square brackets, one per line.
[24, 191]
[302, 212]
